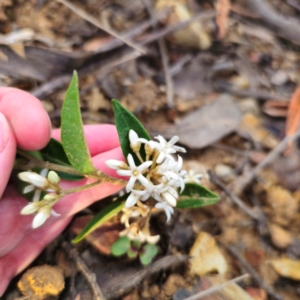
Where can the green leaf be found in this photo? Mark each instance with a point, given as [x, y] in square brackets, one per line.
[120, 246]
[55, 153]
[125, 121]
[72, 134]
[195, 195]
[132, 253]
[149, 252]
[104, 215]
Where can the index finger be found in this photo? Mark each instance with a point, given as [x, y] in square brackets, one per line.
[27, 117]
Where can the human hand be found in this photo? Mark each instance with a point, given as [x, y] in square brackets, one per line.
[25, 124]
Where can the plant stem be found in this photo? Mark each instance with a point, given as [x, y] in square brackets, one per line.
[34, 163]
[81, 188]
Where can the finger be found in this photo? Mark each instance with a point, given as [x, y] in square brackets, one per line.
[100, 138]
[73, 203]
[30, 247]
[15, 226]
[27, 118]
[7, 152]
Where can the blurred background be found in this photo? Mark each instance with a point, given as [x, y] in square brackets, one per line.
[224, 76]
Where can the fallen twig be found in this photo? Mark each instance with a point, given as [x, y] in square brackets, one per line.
[233, 197]
[242, 184]
[95, 22]
[261, 95]
[89, 276]
[134, 280]
[286, 28]
[216, 288]
[253, 273]
[165, 60]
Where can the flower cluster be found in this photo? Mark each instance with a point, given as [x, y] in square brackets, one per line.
[38, 183]
[159, 176]
[133, 230]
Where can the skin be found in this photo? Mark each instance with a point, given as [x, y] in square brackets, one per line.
[25, 124]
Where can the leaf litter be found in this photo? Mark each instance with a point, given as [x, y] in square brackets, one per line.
[244, 57]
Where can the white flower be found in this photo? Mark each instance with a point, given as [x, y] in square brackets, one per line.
[170, 196]
[166, 148]
[40, 182]
[35, 179]
[132, 199]
[43, 209]
[169, 210]
[53, 178]
[30, 208]
[41, 217]
[192, 177]
[116, 164]
[135, 173]
[135, 144]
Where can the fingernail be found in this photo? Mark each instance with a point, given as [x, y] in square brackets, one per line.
[4, 132]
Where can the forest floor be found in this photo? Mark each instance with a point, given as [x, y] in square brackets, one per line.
[224, 76]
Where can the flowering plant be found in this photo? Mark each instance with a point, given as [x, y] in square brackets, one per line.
[153, 169]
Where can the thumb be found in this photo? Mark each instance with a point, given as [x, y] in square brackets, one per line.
[7, 152]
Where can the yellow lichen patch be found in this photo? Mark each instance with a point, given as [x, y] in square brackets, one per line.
[41, 282]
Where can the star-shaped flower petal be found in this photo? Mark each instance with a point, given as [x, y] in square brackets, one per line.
[135, 173]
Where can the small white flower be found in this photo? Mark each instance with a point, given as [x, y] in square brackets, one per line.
[192, 177]
[43, 209]
[132, 199]
[135, 173]
[166, 148]
[30, 208]
[169, 210]
[135, 144]
[53, 178]
[41, 217]
[169, 198]
[34, 178]
[116, 164]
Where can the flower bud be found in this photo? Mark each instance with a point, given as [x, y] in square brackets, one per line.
[53, 178]
[41, 217]
[51, 197]
[148, 149]
[34, 178]
[30, 208]
[134, 144]
[116, 164]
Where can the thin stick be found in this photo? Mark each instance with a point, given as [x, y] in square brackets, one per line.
[89, 276]
[164, 59]
[216, 288]
[253, 273]
[233, 197]
[133, 281]
[95, 22]
[268, 159]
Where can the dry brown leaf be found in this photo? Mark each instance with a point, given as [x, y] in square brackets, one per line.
[205, 125]
[280, 238]
[283, 207]
[257, 294]
[18, 49]
[251, 125]
[223, 9]
[206, 256]
[103, 237]
[275, 108]
[293, 115]
[287, 267]
[194, 35]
